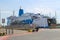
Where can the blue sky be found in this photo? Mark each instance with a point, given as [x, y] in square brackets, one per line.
[36, 6]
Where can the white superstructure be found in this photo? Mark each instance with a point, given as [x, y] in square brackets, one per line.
[30, 18]
[38, 19]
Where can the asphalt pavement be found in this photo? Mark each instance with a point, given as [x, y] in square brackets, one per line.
[43, 34]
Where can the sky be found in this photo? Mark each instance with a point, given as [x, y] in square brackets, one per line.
[46, 7]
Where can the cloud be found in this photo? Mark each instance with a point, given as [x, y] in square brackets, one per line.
[40, 10]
